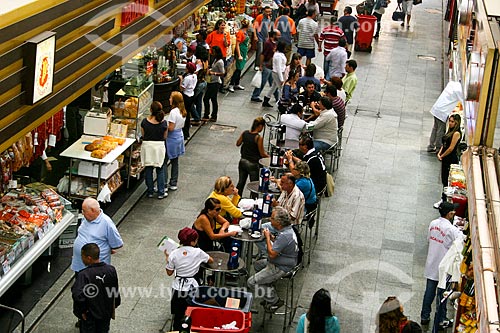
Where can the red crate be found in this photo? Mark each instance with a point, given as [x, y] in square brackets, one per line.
[203, 320]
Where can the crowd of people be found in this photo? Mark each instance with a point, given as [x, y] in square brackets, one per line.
[295, 88]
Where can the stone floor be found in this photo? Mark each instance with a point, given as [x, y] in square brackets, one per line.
[372, 236]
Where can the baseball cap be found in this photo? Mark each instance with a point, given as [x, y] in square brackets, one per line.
[445, 207]
[187, 235]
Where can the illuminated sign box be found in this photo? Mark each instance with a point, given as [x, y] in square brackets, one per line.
[39, 61]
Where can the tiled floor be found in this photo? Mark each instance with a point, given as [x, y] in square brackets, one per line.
[372, 236]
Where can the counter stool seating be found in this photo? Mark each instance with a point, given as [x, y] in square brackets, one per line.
[307, 225]
[272, 122]
[290, 306]
[338, 151]
[330, 154]
[319, 195]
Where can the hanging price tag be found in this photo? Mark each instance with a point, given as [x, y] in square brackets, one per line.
[40, 233]
[5, 267]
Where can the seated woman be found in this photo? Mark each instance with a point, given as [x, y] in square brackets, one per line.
[205, 226]
[293, 122]
[305, 184]
[289, 91]
[223, 189]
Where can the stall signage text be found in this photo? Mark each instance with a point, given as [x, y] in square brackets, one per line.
[133, 11]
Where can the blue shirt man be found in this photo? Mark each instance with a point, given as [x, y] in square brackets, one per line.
[96, 228]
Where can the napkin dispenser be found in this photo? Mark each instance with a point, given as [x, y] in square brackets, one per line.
[97, 122]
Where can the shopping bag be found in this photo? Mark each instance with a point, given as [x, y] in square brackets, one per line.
[398, 14]
[330, 185]
[257, 80]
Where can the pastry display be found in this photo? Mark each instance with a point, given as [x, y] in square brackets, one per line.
[102, 146]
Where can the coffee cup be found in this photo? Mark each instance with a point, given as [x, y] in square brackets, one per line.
[256, 233]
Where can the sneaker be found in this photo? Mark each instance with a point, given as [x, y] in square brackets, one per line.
[162, 196]
[275, 306]
[150, 195]
[266, 105]
[213, 120]
[431, 149]
[437, 204]
[172, 188]
[446, 324]
[223, 90]
[256, 68]
[425, 322]
[256, 99]
[403, 24]
[231, 89]
[238, 87]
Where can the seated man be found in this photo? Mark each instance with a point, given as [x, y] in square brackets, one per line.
[313, 158]
[337, 104]
[309, 94]
[291, 199]
[309, 76]
[325, 125]
[282, 252]
[293, 122]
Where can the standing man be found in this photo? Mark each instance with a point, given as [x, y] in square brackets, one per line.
[378, 11]
[407, 6]
[282, 252]
[442, 108]
[98, 228]
[440, 236]
[262, 25]
[286, 26]
[308, 31]
[266, 65]
[350, 81]
[313, 158]
[330, 36]
[336, 61]
[349, 24]
[95, 292]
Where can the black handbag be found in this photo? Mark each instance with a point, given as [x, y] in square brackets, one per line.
[398, 14]
[417, 2]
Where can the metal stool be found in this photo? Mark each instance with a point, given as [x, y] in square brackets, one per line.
[338, 150]
[330, 153]
[308, 219]
[273, 123]
[290, 307]
[319, 195]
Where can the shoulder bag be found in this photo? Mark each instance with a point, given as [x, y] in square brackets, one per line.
[398, 14]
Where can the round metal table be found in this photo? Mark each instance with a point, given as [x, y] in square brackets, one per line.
[219, 266]
[275, 170]
[253, 187]
[247, 246]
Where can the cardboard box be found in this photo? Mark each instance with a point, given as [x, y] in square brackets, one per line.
[91, 169]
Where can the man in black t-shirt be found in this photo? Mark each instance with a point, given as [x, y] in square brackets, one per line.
[95, 292]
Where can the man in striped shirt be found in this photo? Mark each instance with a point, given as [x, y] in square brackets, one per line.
[308, 31]
[330, 36]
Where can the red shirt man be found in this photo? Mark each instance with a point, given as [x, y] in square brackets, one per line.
[331, 35]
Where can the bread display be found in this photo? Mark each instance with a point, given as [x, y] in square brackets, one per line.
[98, 153]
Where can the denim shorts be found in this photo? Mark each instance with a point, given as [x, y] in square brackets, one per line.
[308, 53]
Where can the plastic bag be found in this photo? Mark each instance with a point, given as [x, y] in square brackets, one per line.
[257, 80]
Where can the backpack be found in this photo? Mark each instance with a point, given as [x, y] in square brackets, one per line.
[300, 244]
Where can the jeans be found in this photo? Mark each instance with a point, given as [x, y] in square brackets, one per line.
[321, 146]
[235, 79]
[326, 69]
[211, 96]
[266, 274]
[379, 18]
[258, 52]
[266, 78]
[440, 315]
[275, 87]
[198, 100]
[437, 133]
[245, 169]
[174, 164]
[92, 325]
[188, 103]
[160, 179]
[429, 295]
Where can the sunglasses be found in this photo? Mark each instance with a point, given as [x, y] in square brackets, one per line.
[218, 209]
